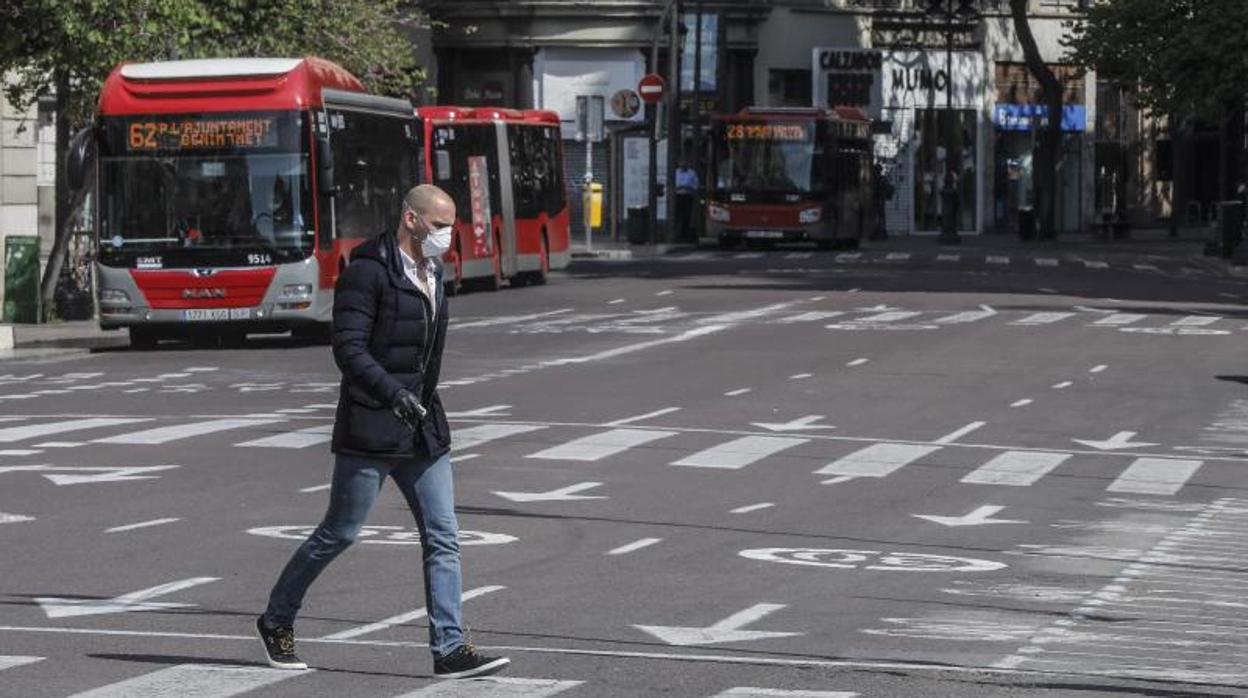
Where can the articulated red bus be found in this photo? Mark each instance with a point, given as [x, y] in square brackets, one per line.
[230, 191]
[790, 175]
[504, 168]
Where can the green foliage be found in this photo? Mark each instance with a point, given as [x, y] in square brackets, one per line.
[1186, 56]
[85, 39]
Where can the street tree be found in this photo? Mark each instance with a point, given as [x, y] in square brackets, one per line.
[1183, 59]
[64, 49]
[1050, 147]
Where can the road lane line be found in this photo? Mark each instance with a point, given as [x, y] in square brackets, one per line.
[966, 317]
[878, 460]
[10, 661]
[954, 436]
[301, 438]
[466, 439]
[739, 453]
[1015, 468]
[1062, 385]
[1098, 369]
[993, 259]
[634, 546]
[890, 316]
[315, 488]
[162, 435]
[1021, 403]
[404, 617]
[857, 362]
[198, 680]
[738, 391]
[1119, 319]
[10, 434]
[641, 417]
[811, 316]
[799, 376]
[145, 524]
[1155, 476]
[752, 692]
[494, 687]
[598, 446]
[617, 301]
[753, 507]
[506, 319]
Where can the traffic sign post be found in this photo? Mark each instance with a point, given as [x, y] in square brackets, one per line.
[651, 88]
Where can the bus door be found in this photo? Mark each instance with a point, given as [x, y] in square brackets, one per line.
[507, 254]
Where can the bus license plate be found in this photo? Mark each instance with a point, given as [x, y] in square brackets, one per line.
[768, 234]
[201, 314]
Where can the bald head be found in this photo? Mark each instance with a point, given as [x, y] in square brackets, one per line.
[431, 202]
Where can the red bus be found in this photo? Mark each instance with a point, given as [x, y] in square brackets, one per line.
[504, 168]
[230, 191]
[790, 175]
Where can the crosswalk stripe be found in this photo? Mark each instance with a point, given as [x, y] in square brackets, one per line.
[752, 692]
[1042, 318]
[198, 680]
[494, 687]
[897, 256]
[162, 435]
[747, 255]
[10, 661]
[848, 256]
[1120, 319]
[877, 460]
[968, 316]
[1092, 264]
[812, 316]
[1155, 476]
[799, 255]
[1016, 468]
[739, 453]
[890, 316]
[948, 257]
[1046, 262]
[301, 438]
[465, 439]
[30, 431]
[598, 446]
[1195, 321]
[993, 259]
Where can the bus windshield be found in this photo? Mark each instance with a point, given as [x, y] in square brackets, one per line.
[196, 187]
[765, 157]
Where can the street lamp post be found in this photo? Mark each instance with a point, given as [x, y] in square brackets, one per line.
[670, 14]
[948, 11]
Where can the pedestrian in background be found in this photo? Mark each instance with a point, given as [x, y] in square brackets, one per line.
[390, 318]
[687, 185]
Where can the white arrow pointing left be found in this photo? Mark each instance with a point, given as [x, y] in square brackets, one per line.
[726, 630]
[56, 607]
[562, 494]
[799, 424]
[92, 474]
[980, 517]
[1120, 440]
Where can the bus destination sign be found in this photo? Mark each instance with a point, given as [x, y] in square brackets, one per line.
[767, 132]
[202, 133]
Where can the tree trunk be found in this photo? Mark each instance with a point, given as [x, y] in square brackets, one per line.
[1049, 153]
[52, 273]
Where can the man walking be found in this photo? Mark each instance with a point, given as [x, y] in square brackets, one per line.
[686, 195]
[389, 330]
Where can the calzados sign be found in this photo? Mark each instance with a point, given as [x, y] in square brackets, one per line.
[182, 133]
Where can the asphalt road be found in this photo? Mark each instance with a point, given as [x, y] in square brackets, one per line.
[776, 473]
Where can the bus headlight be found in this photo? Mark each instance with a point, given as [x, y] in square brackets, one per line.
[718, 213]
[114, 296]
[297, 291]
[810, 215]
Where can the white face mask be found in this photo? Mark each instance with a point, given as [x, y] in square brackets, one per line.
[437, 242]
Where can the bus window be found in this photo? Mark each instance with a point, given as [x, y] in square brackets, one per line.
[525, 170]
[548, 149]
[375, 164]
[460, 142]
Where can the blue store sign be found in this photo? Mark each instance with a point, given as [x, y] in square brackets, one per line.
[1026, 117]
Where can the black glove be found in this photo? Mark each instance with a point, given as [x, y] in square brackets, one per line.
[408, 409]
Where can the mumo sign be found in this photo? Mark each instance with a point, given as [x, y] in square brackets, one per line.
[879, 80]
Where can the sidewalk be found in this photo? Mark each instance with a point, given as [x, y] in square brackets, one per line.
[78, 334]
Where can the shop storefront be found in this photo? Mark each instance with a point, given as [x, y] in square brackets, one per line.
[930, 112]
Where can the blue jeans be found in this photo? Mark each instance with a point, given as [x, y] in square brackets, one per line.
[430, 492]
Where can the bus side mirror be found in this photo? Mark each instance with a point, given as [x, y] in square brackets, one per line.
[79, 152]
[325, 167]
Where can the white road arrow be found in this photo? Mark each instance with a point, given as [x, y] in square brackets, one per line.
[1120, 440]
[726, 630]
[799, 424]
[563, 494]
[134, 601]
[97, 474]
[980, 517]
[491, 411]
[14, 518]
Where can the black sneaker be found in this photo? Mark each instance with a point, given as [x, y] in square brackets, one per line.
[465, 662]
[279, 646]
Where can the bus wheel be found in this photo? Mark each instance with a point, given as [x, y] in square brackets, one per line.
[494, 281]
[143, 338]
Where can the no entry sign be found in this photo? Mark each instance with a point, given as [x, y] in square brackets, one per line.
[651, 88]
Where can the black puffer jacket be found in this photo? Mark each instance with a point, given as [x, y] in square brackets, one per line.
[383, 341]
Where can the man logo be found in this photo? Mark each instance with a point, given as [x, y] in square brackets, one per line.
[202, 293]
